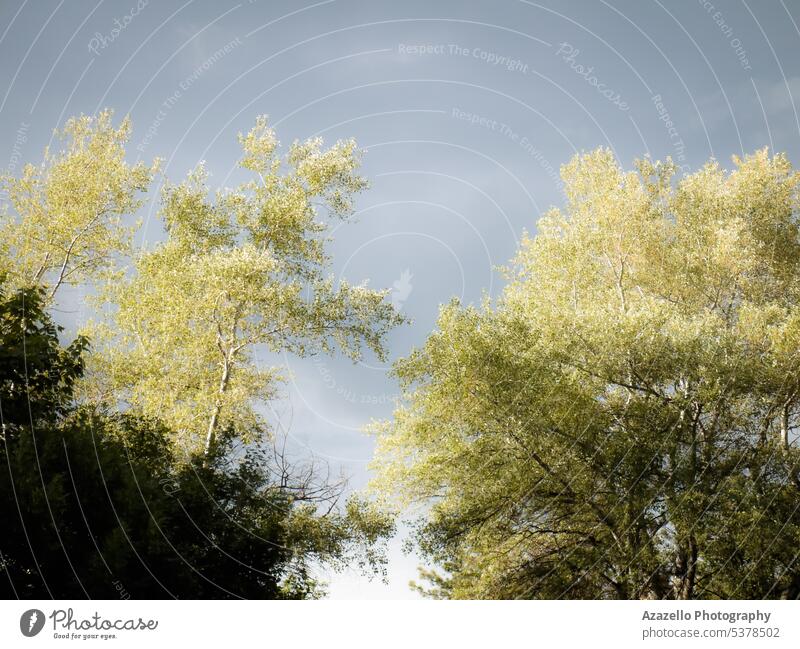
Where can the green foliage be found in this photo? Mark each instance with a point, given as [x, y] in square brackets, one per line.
[68, 221]
[36, 375]
[241, 271]
[166, 482]
[620, 424]
[98, 505]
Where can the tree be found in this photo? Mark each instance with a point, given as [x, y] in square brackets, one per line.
[68, 221]
[236, 273]
[37, 376]
[96, 503]
[621, 423]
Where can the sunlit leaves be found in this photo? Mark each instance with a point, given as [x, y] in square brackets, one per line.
[590, 433]
[242, 271]
[70, 218]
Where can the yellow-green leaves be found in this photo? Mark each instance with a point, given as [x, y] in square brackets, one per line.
[195, 225]
[239, 272]
[71, 215]
[259, 146]
[637, 381]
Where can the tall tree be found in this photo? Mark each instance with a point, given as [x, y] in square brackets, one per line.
[68, 223]
[242, 270]
[621, 423]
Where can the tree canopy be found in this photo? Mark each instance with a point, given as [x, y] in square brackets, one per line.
[68, 224]
[621, 423]
[237, 273]
[139, 465]
[98, 505]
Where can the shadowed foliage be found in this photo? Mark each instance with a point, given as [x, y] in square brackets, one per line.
[97, 504]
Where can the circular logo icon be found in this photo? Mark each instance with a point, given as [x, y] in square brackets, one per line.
[31, 622]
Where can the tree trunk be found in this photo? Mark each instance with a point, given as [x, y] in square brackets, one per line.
[691, 572]
[785, 425]
[212, 423]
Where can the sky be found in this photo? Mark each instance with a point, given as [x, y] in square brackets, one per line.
[465, 110]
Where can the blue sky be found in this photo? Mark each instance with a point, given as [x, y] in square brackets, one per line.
[465, 111]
